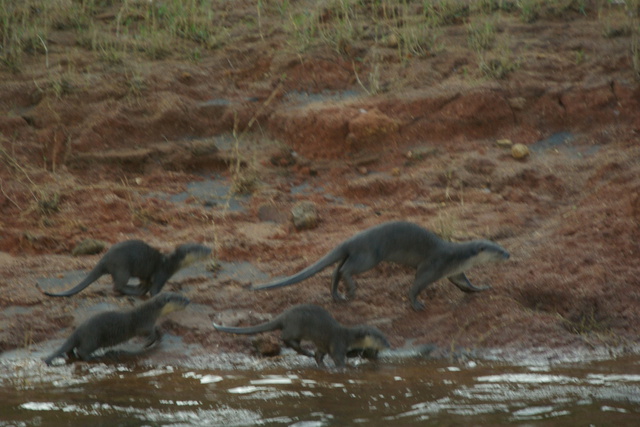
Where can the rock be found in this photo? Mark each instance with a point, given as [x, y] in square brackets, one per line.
[304, 215]
[266, 345]
[391, 41]
[504, 143]
[518, 103]
[419, 153]
[519, 151]
[369, 126]
[89, 247]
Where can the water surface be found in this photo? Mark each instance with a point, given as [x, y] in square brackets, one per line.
[381, 393]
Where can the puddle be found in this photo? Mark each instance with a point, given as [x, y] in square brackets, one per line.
[210, 192]
[66, 280]
[564, 141]
[241, 271]
[306, 189]
[413, 393]
[304, 98]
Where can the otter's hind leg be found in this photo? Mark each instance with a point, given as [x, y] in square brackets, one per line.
[319, 356]
[353, 264]
[153, 337]
[426, 274]
[295, 344]
[120, 284]
[335, 281]
[85, 354]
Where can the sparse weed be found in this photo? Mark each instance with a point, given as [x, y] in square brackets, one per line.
[481, 35]
[304, 27]
[49, 203]
[135, 82]
[634, 19]
[635, 54]
[529, 10]
[498, 65]
[489, 6]
[445, 12]
[591, 327]
[446, 226]
[417, 39]
[244, 175]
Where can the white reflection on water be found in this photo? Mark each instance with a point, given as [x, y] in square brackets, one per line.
[527, 378]
[221, 416]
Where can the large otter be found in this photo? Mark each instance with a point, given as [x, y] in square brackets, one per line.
[114, 327]
[314, 323]
[135, 258]
[402, 243]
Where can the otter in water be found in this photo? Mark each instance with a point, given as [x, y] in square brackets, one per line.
[135, 258]
[315, 324]
[402, 243]
[114, 327]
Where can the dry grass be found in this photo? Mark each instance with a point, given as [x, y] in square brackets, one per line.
[188, 28]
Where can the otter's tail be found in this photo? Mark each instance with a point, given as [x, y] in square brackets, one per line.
[263, 327]
[94, 275]
[332, 257]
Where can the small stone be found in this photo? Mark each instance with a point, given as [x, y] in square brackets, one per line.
[395, 172]
[504, 143]
[304, 215]
[392, 41]
[518, 103]
[89, 247]
[519, 151]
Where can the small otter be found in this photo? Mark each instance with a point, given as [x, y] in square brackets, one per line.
[402, 243]
[135, 258]
[114, 327]
[314, 323]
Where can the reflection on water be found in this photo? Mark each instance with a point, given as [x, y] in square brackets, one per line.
[419, 392]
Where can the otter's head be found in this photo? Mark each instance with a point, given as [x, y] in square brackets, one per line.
[481, 252]
[170, 302]
[189, 253]
[367, 343]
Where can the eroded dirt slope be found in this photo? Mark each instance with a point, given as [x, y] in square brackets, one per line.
[111, 151]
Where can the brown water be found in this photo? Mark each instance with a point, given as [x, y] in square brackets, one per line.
[408, 393]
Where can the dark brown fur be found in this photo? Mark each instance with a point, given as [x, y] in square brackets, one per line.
[403, 243]
[135, 258]
[315, 324]
[114, 327]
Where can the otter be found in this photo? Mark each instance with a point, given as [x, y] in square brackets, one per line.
[402, 243]
[114, 327]
[135, 258]
[313, 323]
